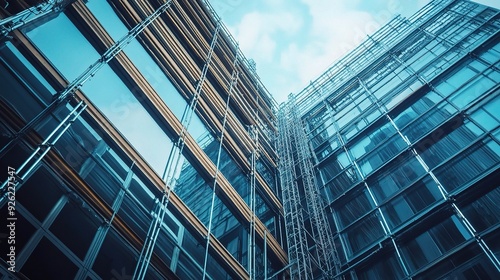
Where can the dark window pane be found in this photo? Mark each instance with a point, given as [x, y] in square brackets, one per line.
[468, 165]
[469, 263]
[48, 262]
[102, 182]
[406, 205]
[484, 212]
[399, 174]
[40, 184]
[75, 228]
[433, 243]
[137, 218]
[428, 121]
[386, 267]
[440, 148]
[363, 233]
[354, 208]
[343, 182]
[115, 257]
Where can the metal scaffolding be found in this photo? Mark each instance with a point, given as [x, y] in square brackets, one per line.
[232, 88]
[318, 259]
[298, 253]
[172, 168]
[31, 14]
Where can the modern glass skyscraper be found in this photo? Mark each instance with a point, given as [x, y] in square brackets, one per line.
[137, 142]
[404, 133]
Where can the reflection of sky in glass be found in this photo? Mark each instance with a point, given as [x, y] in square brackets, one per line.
[146, 65]
[71, 54]
[32, 69]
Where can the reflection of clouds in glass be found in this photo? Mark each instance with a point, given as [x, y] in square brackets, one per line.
[65, 46]
[116, 101]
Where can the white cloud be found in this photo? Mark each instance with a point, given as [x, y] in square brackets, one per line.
[258, 32]
[294, 41]
[334, 30]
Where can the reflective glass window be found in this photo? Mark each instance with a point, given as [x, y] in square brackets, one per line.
[484, 212]
[473, 162]
[382, 154]
[412, 201]
[385, 267]
[428, 121]
[472, 91]
[416, 109]
[373, 139]
[363, 233]
[433, 243]
[354, 208]
[341, 183]
[445, 146]
[396, 176]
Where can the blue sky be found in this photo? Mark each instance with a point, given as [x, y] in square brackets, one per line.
[294, 41]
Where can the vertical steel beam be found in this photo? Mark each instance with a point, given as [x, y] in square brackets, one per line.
[172, 168]
[232, 85]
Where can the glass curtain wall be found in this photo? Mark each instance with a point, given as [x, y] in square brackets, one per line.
[108, 192]
[407, 150]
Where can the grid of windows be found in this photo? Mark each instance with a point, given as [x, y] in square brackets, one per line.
[400, 143]
[105, 178]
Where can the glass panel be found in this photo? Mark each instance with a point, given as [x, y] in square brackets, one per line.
[468, 165]
[382, 154]
[386, 267]
[411, 202]
[428, 121]
[48, 262]
[52, 37]
[115, 257]
[484, 212]
[372, 140]
[40, 184]
[470, 93]
[101, 182]
[449, 144]
[484, 119]
[363, 233]
[417, 109]
[105, 89]
[353, 209]
[123, 109]
[137, 217]
[492, 241]
[75, 227]
[398, 175]
[342, 182]
[334, 165]
[433, 243]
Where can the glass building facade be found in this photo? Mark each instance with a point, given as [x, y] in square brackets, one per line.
[136, 143]
[404, 137]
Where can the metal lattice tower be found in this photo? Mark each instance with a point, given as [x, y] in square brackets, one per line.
[298, 253]
[326, 254]
[297, 171]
